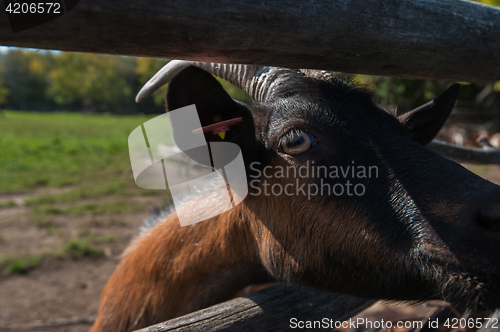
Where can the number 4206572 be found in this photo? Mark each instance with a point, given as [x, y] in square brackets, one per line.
[33, 8]
[476, 323]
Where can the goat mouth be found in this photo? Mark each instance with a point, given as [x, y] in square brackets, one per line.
[477, 293]
[465, 284]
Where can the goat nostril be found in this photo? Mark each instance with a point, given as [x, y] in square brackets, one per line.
[489, 218]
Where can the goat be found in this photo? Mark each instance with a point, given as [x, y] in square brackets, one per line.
[424, 228]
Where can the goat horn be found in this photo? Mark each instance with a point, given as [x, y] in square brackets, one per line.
[257, 81]
[323, 75]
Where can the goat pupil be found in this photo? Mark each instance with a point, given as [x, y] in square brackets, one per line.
[296, 141]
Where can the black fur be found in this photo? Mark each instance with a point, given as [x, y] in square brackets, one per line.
[413, 235]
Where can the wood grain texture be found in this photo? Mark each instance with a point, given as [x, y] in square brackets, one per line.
[268, 310]
[441, 39]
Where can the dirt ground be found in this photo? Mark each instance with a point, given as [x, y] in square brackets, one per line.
[69, 289]
[60, 288]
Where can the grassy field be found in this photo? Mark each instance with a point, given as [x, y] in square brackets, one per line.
[62, 149]
[66, 167]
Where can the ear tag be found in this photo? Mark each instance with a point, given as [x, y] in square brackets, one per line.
[221, 131]
[220, 127]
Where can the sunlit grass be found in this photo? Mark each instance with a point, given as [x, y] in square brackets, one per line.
[63, 149]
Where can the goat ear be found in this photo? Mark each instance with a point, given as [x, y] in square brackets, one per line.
[195, 86]
[423, 123]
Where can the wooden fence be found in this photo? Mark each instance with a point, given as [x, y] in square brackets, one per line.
[270, 310]
[430, 39]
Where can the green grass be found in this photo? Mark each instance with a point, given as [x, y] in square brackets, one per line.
[61, 149]
[42, 220]
[121, 184]
[112, 186]
[88, 156]
[19, 264]
[7, 204]
[107, 207]
[76, 248]
[479, 168]
[82, 248]
[86, 234]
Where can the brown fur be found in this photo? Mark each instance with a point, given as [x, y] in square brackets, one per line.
[172, 270]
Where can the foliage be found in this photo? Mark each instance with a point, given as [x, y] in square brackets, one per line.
[24, 75]
[4, 93]
[48, 80]
[94, 81]
[401, 95]
[490, 2]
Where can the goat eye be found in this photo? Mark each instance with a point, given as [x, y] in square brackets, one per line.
[297, 141]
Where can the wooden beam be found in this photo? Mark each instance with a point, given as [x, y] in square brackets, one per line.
[431, 39]
[270, 310]
[464, 154]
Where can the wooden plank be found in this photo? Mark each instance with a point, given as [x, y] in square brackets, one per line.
[270, 310]
[441, 39]
[464, 154]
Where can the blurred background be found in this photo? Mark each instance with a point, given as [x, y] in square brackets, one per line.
[68, 201]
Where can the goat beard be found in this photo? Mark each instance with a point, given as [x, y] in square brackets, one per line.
[465, 290]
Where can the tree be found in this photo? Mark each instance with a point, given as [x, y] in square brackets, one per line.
[24, 76]
[93, 82]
